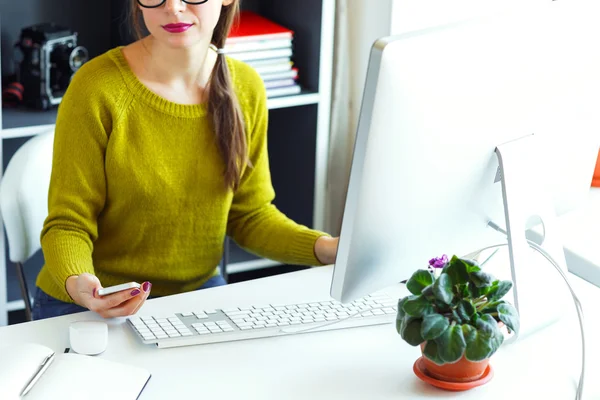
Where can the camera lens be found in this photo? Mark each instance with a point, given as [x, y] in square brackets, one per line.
[78, 57]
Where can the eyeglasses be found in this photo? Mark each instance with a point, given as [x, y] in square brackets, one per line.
[158, 3]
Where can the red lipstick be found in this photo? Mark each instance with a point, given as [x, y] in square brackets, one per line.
[176, 28]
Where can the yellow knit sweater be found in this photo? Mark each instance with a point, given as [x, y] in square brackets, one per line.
[137, 190]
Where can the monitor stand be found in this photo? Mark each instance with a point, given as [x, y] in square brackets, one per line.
[540, 293]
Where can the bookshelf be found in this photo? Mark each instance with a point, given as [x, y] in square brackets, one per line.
[298, 124]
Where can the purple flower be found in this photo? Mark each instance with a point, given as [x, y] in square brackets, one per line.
[439, 262]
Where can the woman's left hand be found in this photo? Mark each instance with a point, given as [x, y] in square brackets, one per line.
[326, 249]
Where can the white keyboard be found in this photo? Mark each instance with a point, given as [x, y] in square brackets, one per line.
[251, 322]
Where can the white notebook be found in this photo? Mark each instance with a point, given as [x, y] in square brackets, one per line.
[69, 376]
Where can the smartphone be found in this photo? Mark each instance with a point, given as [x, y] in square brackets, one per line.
[118, 288]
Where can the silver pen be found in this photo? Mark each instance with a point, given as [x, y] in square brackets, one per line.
[41, 369]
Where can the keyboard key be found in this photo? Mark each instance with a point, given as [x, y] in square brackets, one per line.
[210, 312]
[200, 315]
[237, 314]
[187, 314]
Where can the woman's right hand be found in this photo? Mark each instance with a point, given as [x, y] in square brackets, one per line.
[83, 290]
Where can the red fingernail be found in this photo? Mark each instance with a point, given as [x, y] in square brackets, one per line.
[146, 286]
[135, 292]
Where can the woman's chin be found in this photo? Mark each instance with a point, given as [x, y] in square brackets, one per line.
[178, 41]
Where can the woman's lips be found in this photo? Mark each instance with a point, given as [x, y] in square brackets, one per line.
[176, 28]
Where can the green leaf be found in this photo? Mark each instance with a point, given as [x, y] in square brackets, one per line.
[492, 307]
[484, 327]
[474, 291]
[412, 331]
[400, 314]
[442, 308]
[479, 344]
[463, 290]
[458, 270]
[451, 344]
[497, 338]
[419, 280]
[498, 291]
[456, 317]
[472, 265]
[418, 306]
[465, 309]
[431, 352]
[442, 289]
[466, 328]
[433, 326]
[509, 315]
[428, 292]
[481, 279]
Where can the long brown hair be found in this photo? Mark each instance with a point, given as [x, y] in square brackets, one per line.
[223, 105]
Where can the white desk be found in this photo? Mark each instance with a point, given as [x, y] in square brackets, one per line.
[363, 363]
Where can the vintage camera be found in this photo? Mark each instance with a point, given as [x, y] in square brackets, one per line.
[49, 58]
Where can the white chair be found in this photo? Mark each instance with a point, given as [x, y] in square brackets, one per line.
[24, 203]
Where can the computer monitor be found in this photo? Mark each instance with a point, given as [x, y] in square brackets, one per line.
[441, 107]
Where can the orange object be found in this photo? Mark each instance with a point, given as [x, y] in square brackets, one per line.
[596, 178]
[423, 374]
[461, 371]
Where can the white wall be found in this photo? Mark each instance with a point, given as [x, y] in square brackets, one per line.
[408, 15]
[368, 21]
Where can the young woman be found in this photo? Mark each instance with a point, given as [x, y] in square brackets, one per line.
[160, 151]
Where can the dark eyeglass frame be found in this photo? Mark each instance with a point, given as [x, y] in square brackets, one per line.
[193, 3]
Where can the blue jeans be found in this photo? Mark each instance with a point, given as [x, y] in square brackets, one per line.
[45, 306]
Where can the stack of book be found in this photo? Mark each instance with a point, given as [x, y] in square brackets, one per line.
[267, 47]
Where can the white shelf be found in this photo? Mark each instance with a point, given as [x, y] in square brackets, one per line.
[25, 131]
[274, 103]
[301, 99]
[15, 305]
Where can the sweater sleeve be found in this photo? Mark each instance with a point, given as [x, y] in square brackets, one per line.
[254, 222]
[77, 186]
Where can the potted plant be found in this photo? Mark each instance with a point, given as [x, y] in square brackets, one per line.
[456, 314]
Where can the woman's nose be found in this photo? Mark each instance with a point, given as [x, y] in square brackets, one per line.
[174, 6]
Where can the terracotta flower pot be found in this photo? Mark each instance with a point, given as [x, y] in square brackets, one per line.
[461, 371]
[596, 179]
